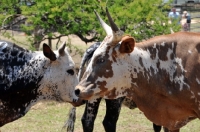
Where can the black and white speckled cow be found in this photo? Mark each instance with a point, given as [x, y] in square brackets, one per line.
[161, 75]
[27, 77]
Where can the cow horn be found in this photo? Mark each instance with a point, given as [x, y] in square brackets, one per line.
[116, 32]
[61, 49]
[104, 25]
[112, 24]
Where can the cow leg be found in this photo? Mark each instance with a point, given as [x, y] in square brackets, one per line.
[113, 108]
[89, 115]
[156, 128]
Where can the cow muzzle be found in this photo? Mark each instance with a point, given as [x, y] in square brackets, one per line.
[82, 93]
[78, 102]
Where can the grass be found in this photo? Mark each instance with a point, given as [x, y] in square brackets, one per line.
[42, 117]
[50, 117]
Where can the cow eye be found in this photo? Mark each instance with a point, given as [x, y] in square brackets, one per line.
[70, 71]
[100, 60]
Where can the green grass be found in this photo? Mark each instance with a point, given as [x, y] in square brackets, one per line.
[50, 117]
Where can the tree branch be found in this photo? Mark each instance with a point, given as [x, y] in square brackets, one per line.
[86, 40]
[15, 16]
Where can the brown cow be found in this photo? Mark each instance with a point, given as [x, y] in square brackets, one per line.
[162, 74]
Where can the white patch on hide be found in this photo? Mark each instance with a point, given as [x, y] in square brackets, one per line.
[4, 46]
[197, 80]
[189, 51]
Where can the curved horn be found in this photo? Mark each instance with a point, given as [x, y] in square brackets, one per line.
[112, 24]
[103, 24]
[61, 49]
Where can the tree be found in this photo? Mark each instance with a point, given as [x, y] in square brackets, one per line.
[140, 18]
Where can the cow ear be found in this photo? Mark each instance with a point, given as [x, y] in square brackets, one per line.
[127, 44]
[48, 52]
[61, 49]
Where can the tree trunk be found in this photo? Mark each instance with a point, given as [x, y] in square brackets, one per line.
[37, 37]
[49, 42]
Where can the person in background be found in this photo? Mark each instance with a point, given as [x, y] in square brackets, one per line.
[188, 19]
[184, 23]
[174, 15]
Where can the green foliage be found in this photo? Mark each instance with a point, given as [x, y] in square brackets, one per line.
[65, 17]
[140, 18]
[7, 9]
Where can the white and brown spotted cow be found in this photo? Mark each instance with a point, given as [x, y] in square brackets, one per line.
[27, 77]
[161, 75]
[113, 107]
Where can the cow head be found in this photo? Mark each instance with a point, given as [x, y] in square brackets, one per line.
[59, 78]
[105, 74]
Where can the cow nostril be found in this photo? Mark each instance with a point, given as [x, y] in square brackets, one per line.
[77, 92]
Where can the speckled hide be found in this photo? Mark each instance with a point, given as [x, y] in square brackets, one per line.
[27, 77]
[161, 75]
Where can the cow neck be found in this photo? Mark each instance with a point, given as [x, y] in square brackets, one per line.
[150, 59]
